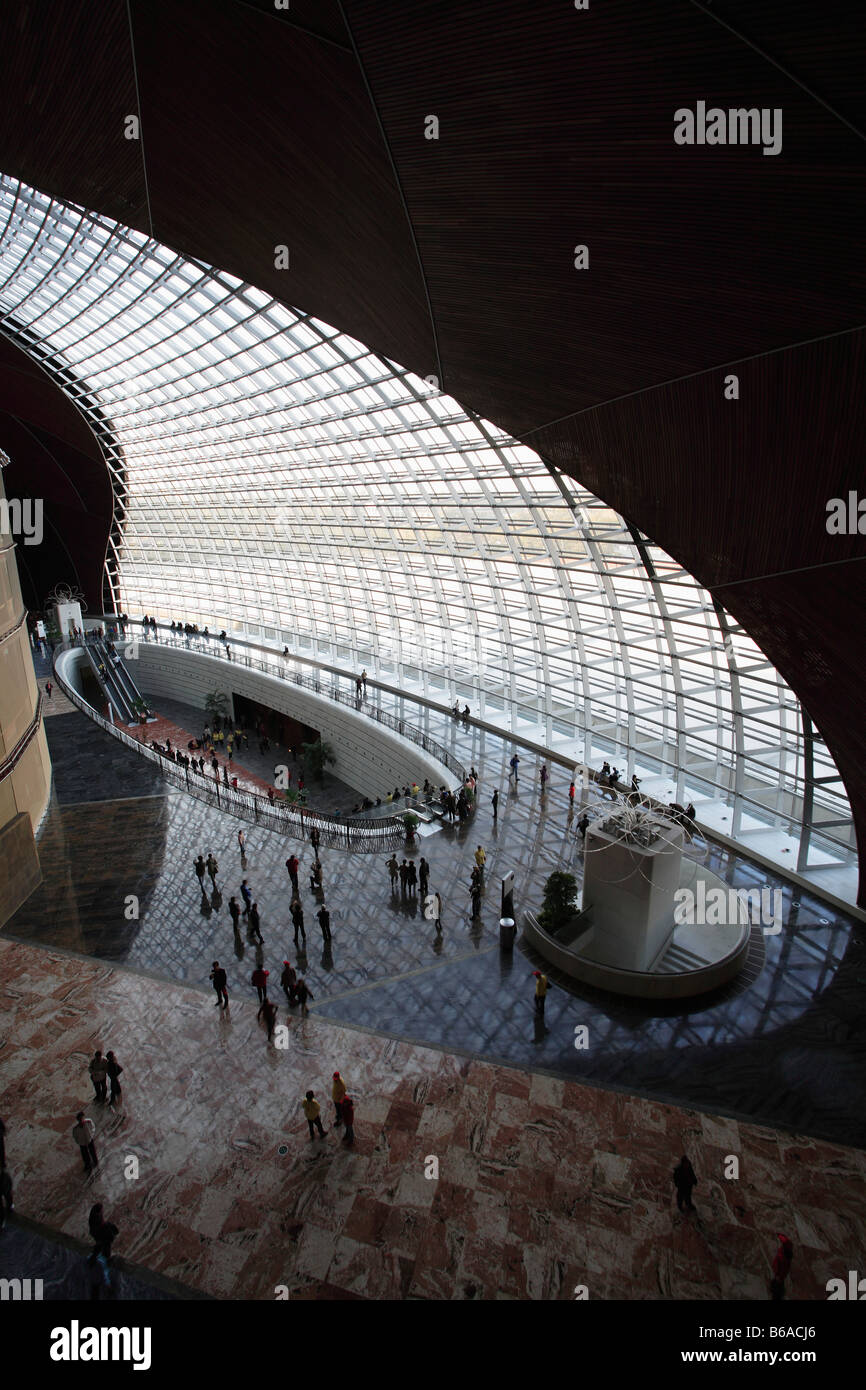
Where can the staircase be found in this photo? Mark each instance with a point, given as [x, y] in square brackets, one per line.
[677, 959]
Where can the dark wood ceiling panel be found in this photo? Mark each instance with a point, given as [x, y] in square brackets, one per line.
[259, 135]
[67, 88]
[556, 129]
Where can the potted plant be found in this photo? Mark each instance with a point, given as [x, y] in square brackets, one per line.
[317, 756]
[410, 824]
[560, 902]
[216, 705]
[141, 709]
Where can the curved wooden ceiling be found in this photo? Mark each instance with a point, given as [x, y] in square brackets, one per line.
[455, 256]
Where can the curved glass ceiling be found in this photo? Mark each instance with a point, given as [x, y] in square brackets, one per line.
[274, 477]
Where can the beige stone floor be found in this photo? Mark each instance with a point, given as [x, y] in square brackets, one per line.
[543, 1184]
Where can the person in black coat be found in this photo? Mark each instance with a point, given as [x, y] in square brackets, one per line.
[102, 1232]
[684, 1181]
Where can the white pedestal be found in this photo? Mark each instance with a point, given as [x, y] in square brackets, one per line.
[630, 890]
[68, 615]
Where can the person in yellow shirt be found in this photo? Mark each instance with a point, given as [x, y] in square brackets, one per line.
[338, 1091]
[541, 984]
[480, 861]
[311, 1110]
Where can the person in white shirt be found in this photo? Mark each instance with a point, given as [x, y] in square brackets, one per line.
[83, 1133]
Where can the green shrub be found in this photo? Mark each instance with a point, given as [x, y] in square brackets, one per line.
[560, 901]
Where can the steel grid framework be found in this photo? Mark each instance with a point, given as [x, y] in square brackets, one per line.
[274, 477]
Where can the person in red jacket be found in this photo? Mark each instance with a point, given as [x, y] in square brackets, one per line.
[348, 1113]
[259, 978]
[781, 1268]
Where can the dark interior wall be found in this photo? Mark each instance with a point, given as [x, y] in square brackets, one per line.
[54, 459]
[279, 727]
[455, 257]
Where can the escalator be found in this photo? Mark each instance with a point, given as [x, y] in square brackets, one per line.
[116, 684]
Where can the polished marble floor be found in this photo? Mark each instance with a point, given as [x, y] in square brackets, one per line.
[786, 1045]
[467, 1180]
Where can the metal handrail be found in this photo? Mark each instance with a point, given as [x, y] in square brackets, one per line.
[14, 757]
[296, 822]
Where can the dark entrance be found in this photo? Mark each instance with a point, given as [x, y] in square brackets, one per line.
[279, 728]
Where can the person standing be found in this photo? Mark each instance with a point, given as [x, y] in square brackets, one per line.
[544, 776]
[393, 871]
[220, 984]
[571, 794]
[7, 1206]
[315, 836]
[685, 1180]
[494, 802]
[324, 917]
[288, 980]
[480, 861]
[114, 1070]
[255, 924]
[212, 867]
[199, 866]
[781, 1268]
[99, 1076]
[48, 689]
[475, 890]
[302, 994]
[297, 918]
[312, 1111]
[437, 911]
[338, 1092]
[102, 1232]
[411, 877]
[242, 842]
[541, 986]
[259, 979]
[247, 897]
[83, 1132]
[349, 1120]
[235, 913]
[582, 825]
[423, 877]
[514, 765]
[268, 1010]
[292, 865]
[404, 877]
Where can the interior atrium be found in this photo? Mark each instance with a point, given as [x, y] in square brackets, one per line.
[408, 448]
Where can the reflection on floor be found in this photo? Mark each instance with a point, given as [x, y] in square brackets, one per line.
[785, 1047]
[536, 1186]
[62, 1266]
